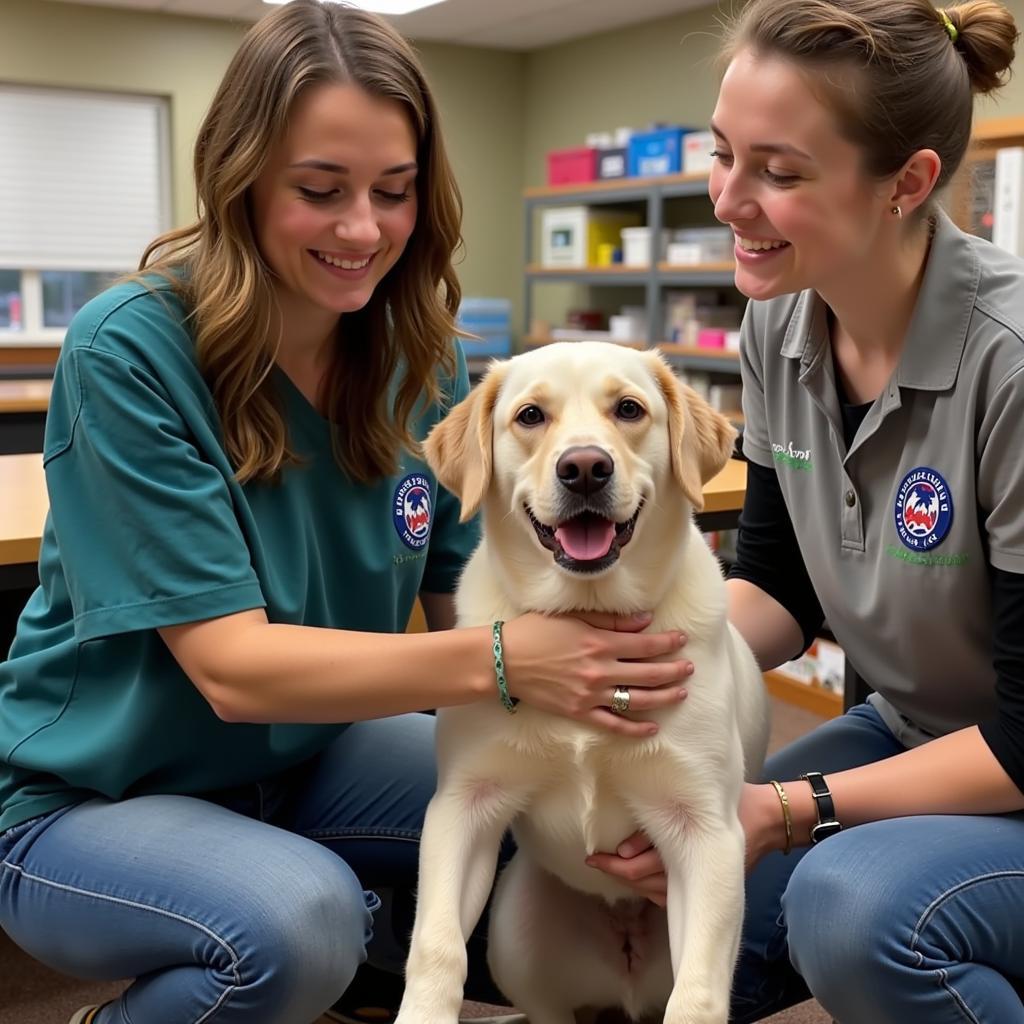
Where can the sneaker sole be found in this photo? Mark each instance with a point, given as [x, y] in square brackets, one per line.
[84, 1014]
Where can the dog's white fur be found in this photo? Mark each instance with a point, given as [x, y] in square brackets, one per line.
[565, 936]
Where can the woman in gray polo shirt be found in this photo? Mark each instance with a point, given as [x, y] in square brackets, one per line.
[883, 390]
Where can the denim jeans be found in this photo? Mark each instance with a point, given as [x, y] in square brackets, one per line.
[249, 905]
[908, 921]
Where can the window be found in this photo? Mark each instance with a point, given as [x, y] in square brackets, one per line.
[65, 292]
[84, 187]
[10, 301]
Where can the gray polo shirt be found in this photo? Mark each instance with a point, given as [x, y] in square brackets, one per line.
[898, 531]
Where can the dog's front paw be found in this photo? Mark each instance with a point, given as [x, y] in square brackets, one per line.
[697, 1006]
[430, 1007]
[415, 1014]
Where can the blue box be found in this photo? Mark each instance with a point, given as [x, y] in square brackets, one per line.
[656, 152]
[491, 321]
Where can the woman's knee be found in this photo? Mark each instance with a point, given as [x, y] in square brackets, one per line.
[841, 912]
[307, 934]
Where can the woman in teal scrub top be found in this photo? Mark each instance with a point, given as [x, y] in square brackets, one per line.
[210, 754]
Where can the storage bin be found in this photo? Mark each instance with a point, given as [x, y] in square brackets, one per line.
[489, 318]
[570, 166]
[572, 235]
[612, 163]
[629, 325]
[701, 245]
[684, 254]
[656, 152]
[636, 246]
[711, 337]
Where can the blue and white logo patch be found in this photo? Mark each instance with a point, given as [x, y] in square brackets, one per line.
[924, 509]
[411, 509]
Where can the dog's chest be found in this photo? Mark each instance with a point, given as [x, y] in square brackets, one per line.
[582, 804]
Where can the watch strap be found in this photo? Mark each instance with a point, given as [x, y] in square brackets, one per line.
[824, 805]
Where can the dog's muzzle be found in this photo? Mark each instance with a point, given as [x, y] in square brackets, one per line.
[587, 541]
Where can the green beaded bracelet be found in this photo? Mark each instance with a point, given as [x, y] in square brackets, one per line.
[508, 701]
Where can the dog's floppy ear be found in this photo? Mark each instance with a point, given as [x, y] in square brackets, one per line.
[701, 439]
[458, 449]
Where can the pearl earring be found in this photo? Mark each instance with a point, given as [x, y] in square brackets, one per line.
[897, 212]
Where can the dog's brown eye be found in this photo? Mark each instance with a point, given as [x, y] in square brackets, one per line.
[530, 416]
[629, 409]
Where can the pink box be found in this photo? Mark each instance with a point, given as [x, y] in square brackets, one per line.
[569, 166]
[711, 337]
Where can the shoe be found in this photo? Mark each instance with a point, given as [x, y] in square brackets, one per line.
[85, 1015]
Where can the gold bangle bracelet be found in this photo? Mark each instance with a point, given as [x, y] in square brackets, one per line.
[786, 816]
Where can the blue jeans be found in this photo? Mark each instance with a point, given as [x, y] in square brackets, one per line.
[250, 905]
[909, 921]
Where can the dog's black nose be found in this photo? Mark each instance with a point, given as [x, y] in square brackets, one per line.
[585, 470]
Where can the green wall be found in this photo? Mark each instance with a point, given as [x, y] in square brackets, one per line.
[84, 47]
[479, 93]
[501, 111]
[661, 70]
[657, 71]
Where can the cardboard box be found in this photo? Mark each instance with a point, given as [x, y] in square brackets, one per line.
[697, 149]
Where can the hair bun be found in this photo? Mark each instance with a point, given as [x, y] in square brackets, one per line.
[986, 36]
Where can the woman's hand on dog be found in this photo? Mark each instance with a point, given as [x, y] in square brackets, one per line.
[571, 664]
[638, 864]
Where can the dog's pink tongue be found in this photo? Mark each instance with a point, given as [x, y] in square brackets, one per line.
[586, 537]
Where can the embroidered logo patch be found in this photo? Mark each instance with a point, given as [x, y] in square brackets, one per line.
[924, 509]
[411, 510]
[795, 458]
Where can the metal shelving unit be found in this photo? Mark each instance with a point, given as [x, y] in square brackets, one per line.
[654, 279]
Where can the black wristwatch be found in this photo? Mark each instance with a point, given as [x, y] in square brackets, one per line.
[827, 825]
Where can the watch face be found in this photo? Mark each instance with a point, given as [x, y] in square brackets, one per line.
[824, 829]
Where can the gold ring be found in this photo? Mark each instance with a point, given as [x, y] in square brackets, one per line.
[620, 700]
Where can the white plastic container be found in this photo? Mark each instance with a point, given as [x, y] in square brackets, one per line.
[712, 245]
[684, 254]
[636, 247]
[627, 326]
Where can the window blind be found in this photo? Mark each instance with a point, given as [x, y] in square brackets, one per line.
[84, 181]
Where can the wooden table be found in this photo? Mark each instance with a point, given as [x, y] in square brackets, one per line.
[23, 405]
[723, 498]
[25, 395]
[23, 507]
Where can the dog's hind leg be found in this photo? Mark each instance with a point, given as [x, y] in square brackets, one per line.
[553, 949]
[526, 948]
[464, 825]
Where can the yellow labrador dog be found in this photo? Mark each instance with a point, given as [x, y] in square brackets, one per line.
[587, 460]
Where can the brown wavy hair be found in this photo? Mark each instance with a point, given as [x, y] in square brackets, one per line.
[889, 69]
[408, 325]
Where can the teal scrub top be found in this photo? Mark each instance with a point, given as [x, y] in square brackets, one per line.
[148, 528]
